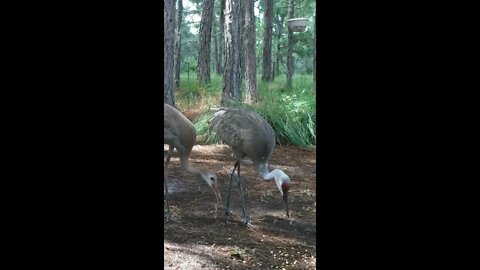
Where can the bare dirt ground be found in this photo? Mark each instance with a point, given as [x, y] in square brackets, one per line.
[201, 237]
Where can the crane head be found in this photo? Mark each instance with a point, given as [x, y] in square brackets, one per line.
[283, 184]
[212, 182]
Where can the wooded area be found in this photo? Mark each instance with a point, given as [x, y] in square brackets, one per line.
[256, 60]
[227, 39]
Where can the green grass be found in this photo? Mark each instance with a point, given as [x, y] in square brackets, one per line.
[190, 93]
[290, 111]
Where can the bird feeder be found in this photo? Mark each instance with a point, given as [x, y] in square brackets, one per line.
[297, 24]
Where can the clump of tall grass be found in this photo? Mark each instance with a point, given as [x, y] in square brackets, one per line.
[291, 113]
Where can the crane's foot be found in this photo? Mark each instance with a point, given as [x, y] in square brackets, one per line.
[167, 217]
[247, 221]
[228, 212]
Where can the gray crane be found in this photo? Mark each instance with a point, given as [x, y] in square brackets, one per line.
[179, 133]
[249, 135]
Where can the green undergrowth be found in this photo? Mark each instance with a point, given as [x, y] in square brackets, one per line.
[291, 111]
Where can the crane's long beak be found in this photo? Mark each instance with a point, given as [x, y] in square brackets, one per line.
[217, 193]
[285, 199]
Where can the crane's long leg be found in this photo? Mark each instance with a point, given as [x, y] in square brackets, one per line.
[227, 209]
[246, 218]
[165, 177]
[166, 195]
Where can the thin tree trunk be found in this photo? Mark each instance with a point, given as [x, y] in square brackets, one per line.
[178, 44]
[267, 41]
[216, 50]
[273, 71]
[168, 51]
[231, 72]
[221, 38]
[251, 69]
[315, 56]
[242, 39]
[276, 69]
[216, 44]
[290, 47]
[203, 61]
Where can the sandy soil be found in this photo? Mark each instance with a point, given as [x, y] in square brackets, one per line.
[201, 236]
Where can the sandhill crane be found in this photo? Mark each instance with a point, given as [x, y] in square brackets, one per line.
[179, 133]
[249, 135]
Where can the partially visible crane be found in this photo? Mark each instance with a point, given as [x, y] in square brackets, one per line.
[249, 135]
[179, 133]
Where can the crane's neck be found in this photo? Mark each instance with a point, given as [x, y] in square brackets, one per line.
[185, 164]
[264, 172]
[279, 176]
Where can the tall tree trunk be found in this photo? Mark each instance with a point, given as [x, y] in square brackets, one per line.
[168, 51]
[267, 41]
[203, 61]
[290, 47]
[231, 72]
[251, 68]
[178, 44]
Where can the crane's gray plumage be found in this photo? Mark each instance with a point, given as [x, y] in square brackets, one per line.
[249, 135]
[246, 132]
[179, 133]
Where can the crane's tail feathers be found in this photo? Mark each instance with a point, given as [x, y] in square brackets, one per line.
[216, 109]
[216, 112]
[220, 112]
[215, 120]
